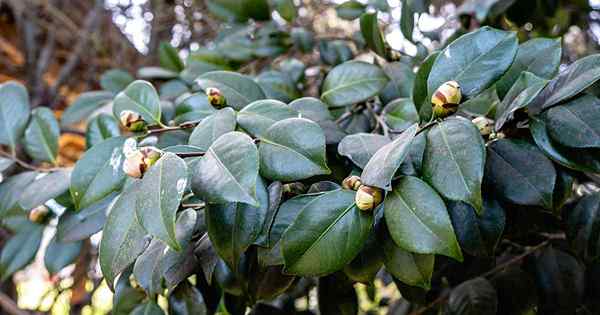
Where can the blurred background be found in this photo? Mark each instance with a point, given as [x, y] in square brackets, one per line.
[62, 48]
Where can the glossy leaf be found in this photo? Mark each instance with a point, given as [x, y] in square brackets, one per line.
[361, 147]
[311, 108]
[352, 82]
[582, 227]
[350, 10]
[576, 123]
[41, 135]
[239, 90]
[148, 308]
[474, 60]
[79, 225]
[177, 266]
[287, 154]
[418, 220]
[336, 295]
[60, 254]
[258, 116]
[476, 296]
[14, 113]
[420, 93]
[454, 159]
[98, 173]
[401, 82]
[20, 250]
[228, 171]
[123, 237]
[186, 300]
[381, 168]
[43, 189]
[115, 80]
[140, 97]
[278, 85]
[147, 267]
[524, 90]
[100, 128]
[326, 235]
[159, 196]
[400, 114]
[85, 104]
[369, 27]
[518, 172]
[211, 128]
[11, 190]
[410, 268]
[169, 57]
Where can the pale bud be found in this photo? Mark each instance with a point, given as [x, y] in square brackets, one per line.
[368, 198]
[132, 121]
[139, 161]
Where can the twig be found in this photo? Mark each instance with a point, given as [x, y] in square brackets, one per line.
[27, 165]
[380, 121]
[9, 306]
[190, 154]
[185, 125]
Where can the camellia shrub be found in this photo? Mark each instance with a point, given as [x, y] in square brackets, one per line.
[465, 183]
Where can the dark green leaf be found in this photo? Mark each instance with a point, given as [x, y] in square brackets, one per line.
[41, 135]
[361, 147]
[186, 300]
[126, 297]
[79, 225]
[115, 80]
[311, 108]
[159, 196]
[407, 19]
[193, 107]
[365, 266]
[48, 187]
[211, 128]
[401, 82]
[410, 268]
[293, 149]
[350, 10]
[20, 250]
[278, 85]
[176, 266]
[352, 82]
[293, 68]
[228, 171]
[400, 114]
[524, 90]
[286, 9]
[59, 254]
[381, 168]
[14, 113]
[85, 104]
[334, 52]
[454, 160]
[369, 27]
[98, 173]
[474, 60]
[418, 220]
[336, 295]
[258, 116]
[518, 172]
[576, 123]
[169, 57]
[147, 268]
[155, 73]
[476, 296]
[419, 93]
[141, 97]
[148, 308]
[100, 128]
[477, 235]
[327, 234]
[11, 190]
[582, 227]
[239, 90]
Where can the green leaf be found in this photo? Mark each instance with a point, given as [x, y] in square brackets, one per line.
[20, 250]
[176, 266]
[194, 107]
[475, 60]
[482, 104]
[582, 224]
[366, 265]
[336, 295]
[41, 135]
[239, 90]
[360, 147]
[155, 73]
[212, 127]
[523, 91]
[59, 255]
[577, 159]
[293, 68]
[186, 300]
[407, 19]
[98, 173]
[147, 267]
[148, 308]
[258, 116]
[520, 173]
[11, 190]
[100, 128]
[410, 268]
[45, 188]
[570, 82]
[352, 82]
[14, 113]
[5, 163]
[400, 114]
[418, 220]
[334, 52]
[141, 97]
[381, 168]
[575, 123]
[115, 80]
[401, 81]
[126, 297]
[419, 93]
[75, 226]
[123, 237]
[85, 104]
[477, 235]
[475, 296]
[454, 159]
[233, 227]
[286, 9]
[369, 27]
[159, 196]
[327, 234]
[311, 108]
[538, 56]
[228, 170]
[350, 10]
[169, 57]
[278, 85]
[293, 149]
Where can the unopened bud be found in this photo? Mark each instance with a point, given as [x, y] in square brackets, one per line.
[132, 121]
[39, 214]
[445, 99]
[485, 125]
[351, 182]
[497, 135]
[368, 198]
[293, 189]
[139, 161]
[215, 98]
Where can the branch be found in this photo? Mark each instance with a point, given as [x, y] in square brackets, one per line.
[9, 306]
[27, 165]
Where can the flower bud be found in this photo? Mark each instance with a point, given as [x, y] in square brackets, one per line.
[368, 198]
[215, 98]
[351, 182]
[445, 99]
[132, 121]
[39, 214]
[293, 189]
[485, 125]
[139, 161]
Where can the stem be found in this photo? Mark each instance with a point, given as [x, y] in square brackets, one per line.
[190, 154]
[27, 165]
[380, 122]
[162, 128]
